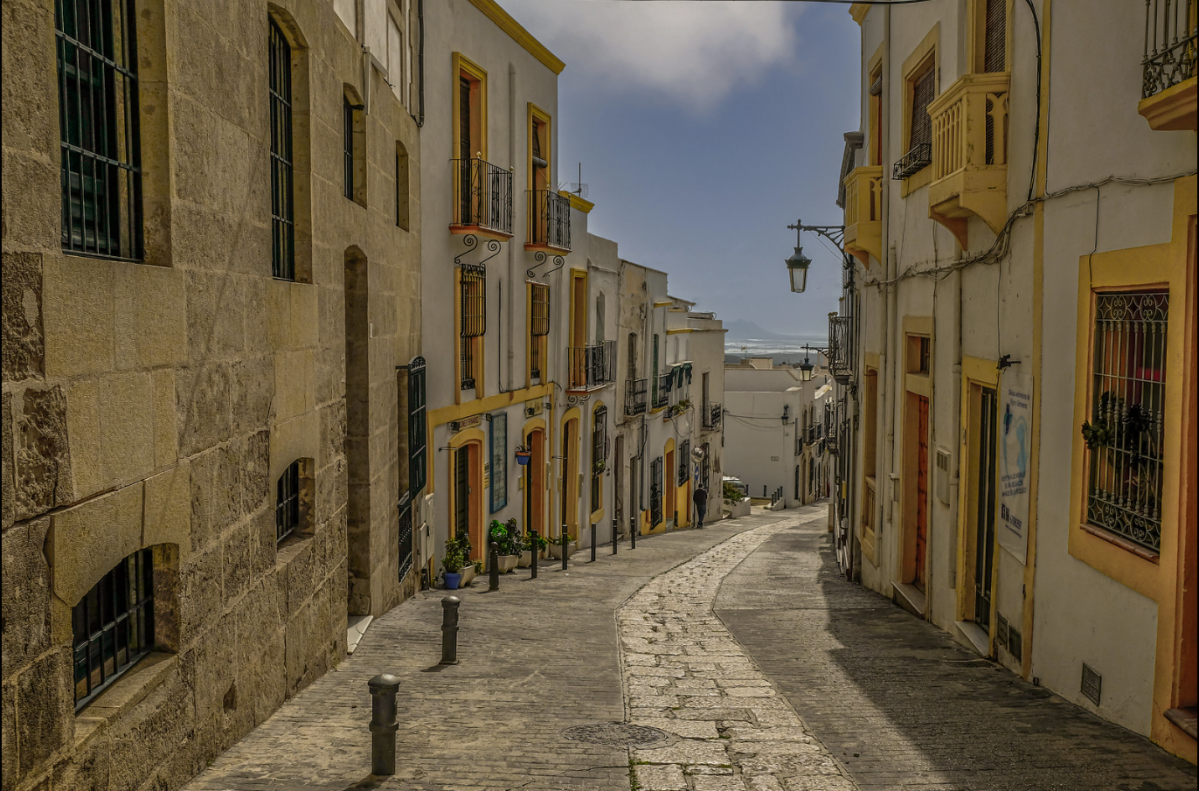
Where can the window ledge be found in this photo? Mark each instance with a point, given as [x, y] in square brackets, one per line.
[1123, 543]
[126, 692]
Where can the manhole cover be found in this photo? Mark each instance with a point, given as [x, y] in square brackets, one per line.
[616, 734]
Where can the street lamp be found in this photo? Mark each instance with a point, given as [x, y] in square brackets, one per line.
[797, 264]
[805, 368]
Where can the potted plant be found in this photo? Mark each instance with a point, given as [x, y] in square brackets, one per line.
[735, 500]
[556, 548]
[507, 538]
[452, 564]
[532, 542]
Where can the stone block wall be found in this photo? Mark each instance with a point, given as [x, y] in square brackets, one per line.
[156, 404]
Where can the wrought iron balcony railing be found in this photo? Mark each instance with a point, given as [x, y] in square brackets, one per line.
[1170, 45]
[840, 341]
[713, 416]
[636, 396]
[548, 221]
[482, 197]
[913, 162]
[591, 366]
[662, 394]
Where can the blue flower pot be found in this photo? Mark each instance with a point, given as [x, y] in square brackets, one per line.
[452, 579]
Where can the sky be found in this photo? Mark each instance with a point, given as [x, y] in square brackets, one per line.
[704, 129]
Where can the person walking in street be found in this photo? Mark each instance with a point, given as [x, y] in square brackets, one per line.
[700, 498]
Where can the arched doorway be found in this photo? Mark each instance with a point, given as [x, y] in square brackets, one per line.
[466, 490]
[534, 473]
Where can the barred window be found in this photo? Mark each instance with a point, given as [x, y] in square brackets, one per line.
[655, 491]
[417, 442]
[705, 466]
[684, 461]
[283, 219]
[922, 95]
[599, 453]
[113, 625]
[541, 310]
[347, 138]
[473, 294]
[98, 125]
[287, 502]
[1124, 433]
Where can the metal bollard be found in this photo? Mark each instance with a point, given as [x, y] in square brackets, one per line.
[493, 568]
[536, 552]
[593, 542]
[615, 537]
[449, 630]
[636, 528]
[565, 538]
[383, 723]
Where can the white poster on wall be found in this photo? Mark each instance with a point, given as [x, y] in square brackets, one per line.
[1015, 448]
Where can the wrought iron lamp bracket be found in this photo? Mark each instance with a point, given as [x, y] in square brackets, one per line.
[834, 233]
[574, 400]
[540, 255]
[471, 241]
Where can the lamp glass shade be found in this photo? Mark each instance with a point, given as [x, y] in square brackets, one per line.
[797, 267]
[805, 370]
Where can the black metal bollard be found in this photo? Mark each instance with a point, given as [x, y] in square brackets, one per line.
[383, 723]
[536, 552]
[636, 528]
[593, 542]
[449, 630]
[565, 538]
[615, 537]
[493, 568]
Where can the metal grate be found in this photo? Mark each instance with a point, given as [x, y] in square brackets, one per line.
[549, 219]
[417, 442]
[995, 52]
[1124, 433]
[705, 466]
[405, 543]
[684, 460]
[482, 195]
[113, 625]
[1171, 28]
[1092, 683]
[283, 225]
[287, 501]
[655, 491]
[98, 125]
[599, 454]
[473, 317]
[635, 396]
[540, 324]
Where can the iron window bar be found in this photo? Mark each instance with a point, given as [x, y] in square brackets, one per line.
[705, 466]
[662, 394]
[592, 366]
[113, 626]
[635, 392]
[287, 502]
[417, 441]
[539, 325]
[713, 415]
[918, 158]
[347, 126]
[482, 195]
[473, 318]
[405, 542]
[599, 455]
[283, 225]
[1124, 434]
[840, 351]
[99, 129]
[549, 219]
[655, 491]
[684, 460]
[1170, 44]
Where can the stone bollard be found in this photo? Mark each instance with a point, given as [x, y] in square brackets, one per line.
[615, 537]
[383, 723]
[536, 552]
[565, 538]
[493, 568]
[449, 630]
[593, 542]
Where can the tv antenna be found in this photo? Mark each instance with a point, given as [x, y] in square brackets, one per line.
[578, 187]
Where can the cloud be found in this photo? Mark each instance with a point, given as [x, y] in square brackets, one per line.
[692, 53]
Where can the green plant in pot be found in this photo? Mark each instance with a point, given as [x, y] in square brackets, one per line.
[732, 493]
[452, 563]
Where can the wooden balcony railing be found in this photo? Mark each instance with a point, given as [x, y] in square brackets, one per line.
[1169, 65]
[482, 198]
[864, 213]
[969, 157]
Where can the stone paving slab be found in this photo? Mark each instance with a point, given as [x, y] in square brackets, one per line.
[537, 657]
[685, 673]
[902, 705]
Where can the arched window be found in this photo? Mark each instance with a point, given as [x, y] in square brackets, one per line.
[113, 625]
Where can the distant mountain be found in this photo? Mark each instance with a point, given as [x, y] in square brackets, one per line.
[747, 329]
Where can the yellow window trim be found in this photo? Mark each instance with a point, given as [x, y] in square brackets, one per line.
[479, 74]
[535, 113]
[573, 342]
[923, 56]
[504, 21]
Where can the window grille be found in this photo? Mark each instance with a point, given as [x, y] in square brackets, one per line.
[473, 290]
[599, 452]
[539, 326]
[347, 127]
[922, 96]
[705, 466]
[405, 545]
[655, 491]
[283, 221]
[995, 54]
[1124, 434]
[417, 442]
[98, 125]
[287, 502]
[113, 625]
[684, 460]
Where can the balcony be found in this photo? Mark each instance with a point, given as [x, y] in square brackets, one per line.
[911, 163]
[591, 366]
[864, 213]
[548, 222]
[662, 394]
[1169, 73]
[713, 416]
[482, 199]
[636, 396]
[970, 122]
[840, 351]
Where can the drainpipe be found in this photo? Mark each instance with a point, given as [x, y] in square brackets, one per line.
[883, 476]
[511, 254]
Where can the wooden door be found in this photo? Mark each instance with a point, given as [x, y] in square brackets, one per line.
[921, 490]
[535, 519]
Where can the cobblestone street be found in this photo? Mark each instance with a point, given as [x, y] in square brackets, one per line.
[795, 681]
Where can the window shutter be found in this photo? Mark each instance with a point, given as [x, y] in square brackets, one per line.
[994, 54]
[922, 96]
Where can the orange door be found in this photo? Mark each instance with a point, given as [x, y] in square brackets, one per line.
[921, 490]
[536, 482]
